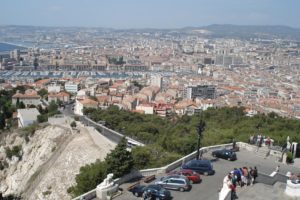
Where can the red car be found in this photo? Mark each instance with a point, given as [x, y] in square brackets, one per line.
[194, 177]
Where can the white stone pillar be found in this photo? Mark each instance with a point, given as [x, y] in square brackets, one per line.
[294, 149]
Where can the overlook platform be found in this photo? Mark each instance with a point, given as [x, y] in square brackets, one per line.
[208, 189]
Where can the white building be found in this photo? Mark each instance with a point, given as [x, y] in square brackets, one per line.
[71, 87]
[156, 80]
[27, 116]
[85, 103]
[54, 88]
[148, 109]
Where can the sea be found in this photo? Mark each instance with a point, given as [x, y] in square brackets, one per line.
[8, 47]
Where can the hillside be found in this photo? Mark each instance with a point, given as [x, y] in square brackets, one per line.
[48, 162]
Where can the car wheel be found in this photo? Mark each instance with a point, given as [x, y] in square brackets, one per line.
[191, 182]
[181, 189]
[136, 194]
[205, 173]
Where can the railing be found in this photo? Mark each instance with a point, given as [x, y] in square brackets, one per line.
[112, 135]
[164, 169]
[87, 196]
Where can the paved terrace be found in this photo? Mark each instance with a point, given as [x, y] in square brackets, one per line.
[208, 189]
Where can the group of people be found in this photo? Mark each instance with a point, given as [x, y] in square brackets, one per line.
[258, 140]
[295, 178]
[240, 177]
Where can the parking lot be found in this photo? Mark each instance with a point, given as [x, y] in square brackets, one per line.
[208, 189]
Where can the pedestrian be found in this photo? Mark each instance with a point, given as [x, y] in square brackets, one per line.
[242, 177]
[277, 168]
[238, 175]
[246, 175]
[251, 172]
[232, 187]
[255, 174]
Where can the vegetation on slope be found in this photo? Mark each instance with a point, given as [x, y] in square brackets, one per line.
[179, 136]
[119, 162]
[169, 139]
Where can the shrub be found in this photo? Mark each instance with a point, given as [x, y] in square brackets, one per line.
[15, 151]
[73, 124]
[289, 157]
[88, 178]
[42, 118]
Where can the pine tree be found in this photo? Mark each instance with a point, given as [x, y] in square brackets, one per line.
[120, 161]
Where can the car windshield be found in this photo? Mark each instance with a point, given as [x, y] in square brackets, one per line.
[162, 190]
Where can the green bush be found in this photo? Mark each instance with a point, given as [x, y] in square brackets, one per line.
[42, 118]
[73, 124]
[119, 161]
[289, 157]
[15, 151]
[88, 178]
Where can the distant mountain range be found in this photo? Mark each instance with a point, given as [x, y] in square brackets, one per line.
[249, 31]
[211, 31]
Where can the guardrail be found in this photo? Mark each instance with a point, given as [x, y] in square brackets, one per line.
[161, 170]
[87, 196]
[112, 135]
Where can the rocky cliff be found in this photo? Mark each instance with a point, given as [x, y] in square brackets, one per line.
[22, 168]
[48, 162]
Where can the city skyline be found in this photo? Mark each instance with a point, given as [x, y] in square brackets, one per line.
[149, 14]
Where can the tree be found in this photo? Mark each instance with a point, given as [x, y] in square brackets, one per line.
[88, 178]
[2, 121]
[52, 108]
[21, 105]
[42, 92]
[42, 118]
[18, 102]
[73, 124]
[119, 161]
[141, 157]
[20, 88]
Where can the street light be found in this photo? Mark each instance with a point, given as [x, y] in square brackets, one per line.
[200, 128]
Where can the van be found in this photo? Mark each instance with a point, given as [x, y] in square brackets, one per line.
[200, 166]
[175, 182]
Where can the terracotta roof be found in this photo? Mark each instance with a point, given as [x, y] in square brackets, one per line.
[28, 94]
[102, 98]
[60, 94]
[88, 102]
[43, 81]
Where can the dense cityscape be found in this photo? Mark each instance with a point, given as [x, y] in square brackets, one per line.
[174, 66]
[132, 113]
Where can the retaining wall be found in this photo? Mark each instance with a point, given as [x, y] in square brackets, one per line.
[112, 135]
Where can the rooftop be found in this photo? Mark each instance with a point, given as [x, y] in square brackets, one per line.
[29, 113]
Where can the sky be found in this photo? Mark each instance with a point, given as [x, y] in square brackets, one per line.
[149, 13]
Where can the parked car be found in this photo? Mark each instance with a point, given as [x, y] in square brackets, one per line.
[175, 182]
[200, 166]
[156, 190]
[225, 154]
[193, 176]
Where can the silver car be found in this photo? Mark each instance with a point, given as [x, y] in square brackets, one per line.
[175, 182]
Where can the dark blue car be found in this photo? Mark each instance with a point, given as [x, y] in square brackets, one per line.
[156, 190]
[200, 166]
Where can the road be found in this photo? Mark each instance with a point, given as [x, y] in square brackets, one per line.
[68, 110]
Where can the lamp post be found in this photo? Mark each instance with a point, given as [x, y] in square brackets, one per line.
[200, 128]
